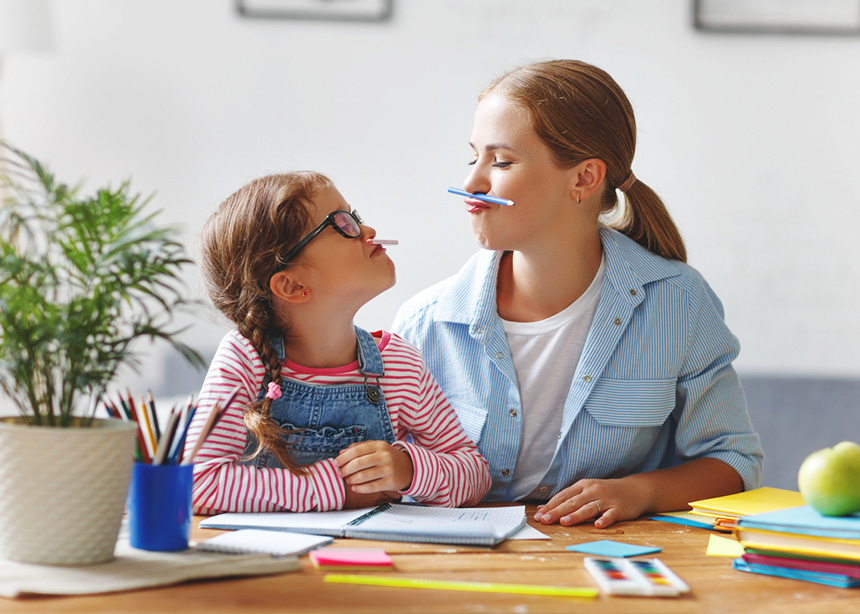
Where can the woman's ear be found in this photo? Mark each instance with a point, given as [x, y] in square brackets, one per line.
[286, 286]
[589, 175]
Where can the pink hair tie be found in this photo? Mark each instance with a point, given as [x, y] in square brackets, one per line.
[274, 391]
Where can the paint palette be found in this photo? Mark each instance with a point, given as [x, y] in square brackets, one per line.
[648, 577]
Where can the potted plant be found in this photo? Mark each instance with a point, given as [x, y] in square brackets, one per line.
[82, 278]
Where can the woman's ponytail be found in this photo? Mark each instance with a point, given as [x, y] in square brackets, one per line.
[645, 219]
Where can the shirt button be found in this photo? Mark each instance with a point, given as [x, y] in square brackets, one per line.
[506, 472]
[632, 292]
[586, 378]
[478, 330]
[513, 413]
[499, 355]
[617, 321]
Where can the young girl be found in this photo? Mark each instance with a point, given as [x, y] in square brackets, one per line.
[590, 364]
[324, 408]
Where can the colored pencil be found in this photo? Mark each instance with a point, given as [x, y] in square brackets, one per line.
[178, 450]
[166, 438]
[150, 401]
[143, 412]
[211, 421]
[145, 454]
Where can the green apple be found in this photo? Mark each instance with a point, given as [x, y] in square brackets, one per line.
[829, 479]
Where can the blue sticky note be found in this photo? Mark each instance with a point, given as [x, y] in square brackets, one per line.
[605, 547]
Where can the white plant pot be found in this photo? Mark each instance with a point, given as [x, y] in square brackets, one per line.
[63, 490]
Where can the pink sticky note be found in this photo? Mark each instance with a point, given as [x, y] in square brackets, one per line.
[336, 558]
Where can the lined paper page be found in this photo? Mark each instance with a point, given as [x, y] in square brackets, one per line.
[494, 521]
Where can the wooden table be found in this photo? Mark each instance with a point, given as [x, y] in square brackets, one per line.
[716, 587]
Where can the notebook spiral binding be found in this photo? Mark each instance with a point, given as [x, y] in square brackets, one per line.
[357, 521]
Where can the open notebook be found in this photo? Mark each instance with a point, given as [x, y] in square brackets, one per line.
[474, 526]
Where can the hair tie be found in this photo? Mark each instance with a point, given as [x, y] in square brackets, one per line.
[274, 391]
[625, 185]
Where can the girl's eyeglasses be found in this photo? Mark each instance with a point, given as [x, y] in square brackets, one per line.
[347, 223]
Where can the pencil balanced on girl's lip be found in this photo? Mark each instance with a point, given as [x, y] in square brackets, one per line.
[327, 415]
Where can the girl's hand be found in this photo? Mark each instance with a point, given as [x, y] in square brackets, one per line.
[603, 501]
[375, 466]
[356, 500]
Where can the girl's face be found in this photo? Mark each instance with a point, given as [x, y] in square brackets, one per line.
[350, 271]
[510, 161]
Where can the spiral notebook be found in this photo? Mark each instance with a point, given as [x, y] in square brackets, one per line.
[474, 526]
[257, 541]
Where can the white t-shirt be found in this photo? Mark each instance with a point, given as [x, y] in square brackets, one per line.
[545, 355]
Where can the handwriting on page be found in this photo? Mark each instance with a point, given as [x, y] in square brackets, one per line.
[415, 516]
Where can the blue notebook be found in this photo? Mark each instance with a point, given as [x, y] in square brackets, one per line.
[804, 521]
[819, 577]
[473, 526]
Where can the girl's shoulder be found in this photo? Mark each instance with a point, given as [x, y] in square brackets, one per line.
[233, 342]
[236, 362]
[395, 348]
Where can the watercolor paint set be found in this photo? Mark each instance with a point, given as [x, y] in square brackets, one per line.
[642, 577]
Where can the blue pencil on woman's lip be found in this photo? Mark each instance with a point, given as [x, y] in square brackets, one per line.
[489, 199]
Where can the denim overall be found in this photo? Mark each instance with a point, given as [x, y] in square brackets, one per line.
[328, 417]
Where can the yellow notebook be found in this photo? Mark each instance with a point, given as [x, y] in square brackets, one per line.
[757, 501]
[803, 545]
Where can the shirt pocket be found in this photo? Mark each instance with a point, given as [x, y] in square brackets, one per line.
[471, 418]
[636, 403]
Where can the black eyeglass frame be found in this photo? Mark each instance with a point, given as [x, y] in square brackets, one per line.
[328, 221]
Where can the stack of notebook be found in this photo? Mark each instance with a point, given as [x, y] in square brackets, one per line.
[723, 513]
[802, 544]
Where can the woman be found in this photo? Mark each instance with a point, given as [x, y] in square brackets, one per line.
[591, 365]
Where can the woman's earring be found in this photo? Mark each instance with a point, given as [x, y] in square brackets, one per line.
[577, 198]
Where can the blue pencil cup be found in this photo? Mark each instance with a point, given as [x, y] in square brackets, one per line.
[159, 506]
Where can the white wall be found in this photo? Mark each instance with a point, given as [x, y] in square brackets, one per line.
[751, 140]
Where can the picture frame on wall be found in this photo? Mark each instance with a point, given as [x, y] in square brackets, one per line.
[317, 10]
[810, 17]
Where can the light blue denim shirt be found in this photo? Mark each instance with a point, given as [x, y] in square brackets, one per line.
[654, 387]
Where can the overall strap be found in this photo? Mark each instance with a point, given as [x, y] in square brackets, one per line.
[369, 363]
[277, 341]
[369, 356]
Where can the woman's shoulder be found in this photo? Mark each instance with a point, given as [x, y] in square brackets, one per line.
[631, 263]
[457, 294]
[628, 258]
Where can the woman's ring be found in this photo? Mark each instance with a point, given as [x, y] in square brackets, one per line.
[599, 511]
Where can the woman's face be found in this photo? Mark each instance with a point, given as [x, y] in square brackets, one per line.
[510, 161]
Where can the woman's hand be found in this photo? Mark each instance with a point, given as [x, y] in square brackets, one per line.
[603, 501]
[661, 490]
[375, 466]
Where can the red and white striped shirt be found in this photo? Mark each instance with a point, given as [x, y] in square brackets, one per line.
[449, 470]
